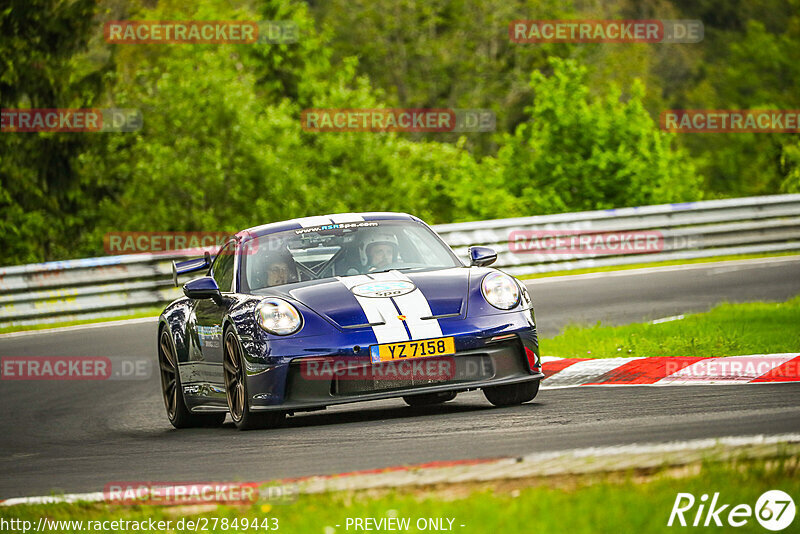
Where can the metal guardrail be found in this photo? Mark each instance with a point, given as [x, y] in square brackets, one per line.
[116, 285]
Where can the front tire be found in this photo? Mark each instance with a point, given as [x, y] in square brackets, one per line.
[172, 390]
[236, 390]
[512, 394]
[429, 399]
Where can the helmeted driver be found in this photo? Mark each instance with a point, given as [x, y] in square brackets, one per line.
[280, 269]
[378, 251]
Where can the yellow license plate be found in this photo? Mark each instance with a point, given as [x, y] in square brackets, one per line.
[422, 348]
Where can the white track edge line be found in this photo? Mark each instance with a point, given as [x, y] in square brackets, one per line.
[77, 327]
[373, 479]
[655, 270]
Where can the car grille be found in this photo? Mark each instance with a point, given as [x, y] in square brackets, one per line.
[495, 361]
[467, 369]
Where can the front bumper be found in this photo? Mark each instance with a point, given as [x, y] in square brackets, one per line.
[479, 363]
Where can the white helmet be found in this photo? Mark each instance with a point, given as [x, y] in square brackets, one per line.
[380, 237]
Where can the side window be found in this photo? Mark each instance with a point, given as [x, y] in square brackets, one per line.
[222, 271]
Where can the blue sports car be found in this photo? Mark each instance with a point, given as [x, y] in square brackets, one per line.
[299, 315]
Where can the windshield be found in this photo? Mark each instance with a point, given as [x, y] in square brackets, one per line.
[324, 252]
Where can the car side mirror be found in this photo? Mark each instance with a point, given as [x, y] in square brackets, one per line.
[481, 256]
[190, 266]
[203, 288]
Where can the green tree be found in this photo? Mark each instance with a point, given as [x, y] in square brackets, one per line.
[222, 145]
[445, 53]
[43, 64]
[790, 164]
[582, 152]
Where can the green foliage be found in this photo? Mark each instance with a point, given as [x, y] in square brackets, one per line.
[244, 159]
[584, 152]
[456, 51]
[222, 146]
[790, 160]
[453, 53]
[42, 193]
[726, 330]
[758, 68]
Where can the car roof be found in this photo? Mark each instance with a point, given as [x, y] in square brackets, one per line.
[322, 220]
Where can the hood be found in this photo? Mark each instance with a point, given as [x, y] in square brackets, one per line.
[445, 292]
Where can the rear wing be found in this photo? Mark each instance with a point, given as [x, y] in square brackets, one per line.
[190, 266]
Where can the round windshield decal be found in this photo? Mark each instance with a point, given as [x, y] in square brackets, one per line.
[388, 288]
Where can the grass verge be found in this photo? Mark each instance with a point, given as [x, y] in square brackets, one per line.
[146, 312]
[658, 264]
[635, 501]
[726, 330]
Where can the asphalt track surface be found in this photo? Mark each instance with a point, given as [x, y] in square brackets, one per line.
[79, 436]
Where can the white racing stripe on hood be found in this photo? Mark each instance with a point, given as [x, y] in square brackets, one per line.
[378, 310]
[414, 306]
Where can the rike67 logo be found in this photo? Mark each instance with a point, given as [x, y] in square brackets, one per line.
[774, 510]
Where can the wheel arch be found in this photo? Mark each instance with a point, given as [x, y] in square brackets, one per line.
[174, 319]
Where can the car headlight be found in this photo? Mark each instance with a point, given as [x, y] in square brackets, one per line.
[278, 317]
[500, 290]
